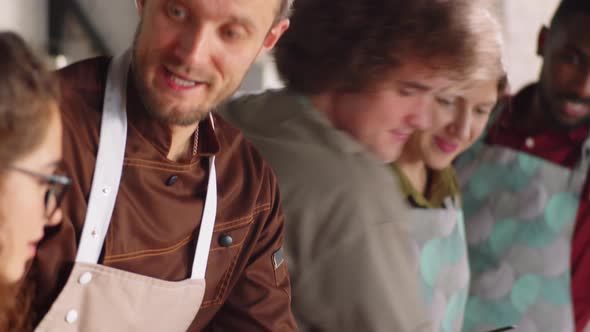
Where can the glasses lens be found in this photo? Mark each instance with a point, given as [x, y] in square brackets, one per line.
[53, 198]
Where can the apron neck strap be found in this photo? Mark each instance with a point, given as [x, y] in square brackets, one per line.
[109, 167]
[109, 162]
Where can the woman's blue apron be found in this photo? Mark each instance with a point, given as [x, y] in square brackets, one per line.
[439, 239]
[520, 212]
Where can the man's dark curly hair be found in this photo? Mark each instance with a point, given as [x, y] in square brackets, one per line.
[350, 45]
[567, 8]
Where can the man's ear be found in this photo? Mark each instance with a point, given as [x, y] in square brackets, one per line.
[542, 39]
[274, 34]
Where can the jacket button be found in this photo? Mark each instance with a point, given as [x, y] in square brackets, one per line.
[171, 180]
[225, 240]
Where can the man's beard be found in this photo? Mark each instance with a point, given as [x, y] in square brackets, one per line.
[154, 107]
[164, 113]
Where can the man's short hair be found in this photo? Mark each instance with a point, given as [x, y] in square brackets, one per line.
[567, 8]
[350, 44]
[285, 9]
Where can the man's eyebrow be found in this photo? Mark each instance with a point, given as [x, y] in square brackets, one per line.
[488, 104]
[415, 85]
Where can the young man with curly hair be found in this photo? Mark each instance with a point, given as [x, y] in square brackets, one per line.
[360, 79]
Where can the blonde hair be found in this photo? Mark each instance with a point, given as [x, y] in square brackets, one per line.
[489, 46]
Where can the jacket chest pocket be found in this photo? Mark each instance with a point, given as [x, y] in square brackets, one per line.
[226, 246]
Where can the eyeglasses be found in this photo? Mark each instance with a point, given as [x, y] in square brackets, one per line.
[57, 187]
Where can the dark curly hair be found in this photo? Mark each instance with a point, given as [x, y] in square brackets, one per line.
[567, 8]
[350, 44]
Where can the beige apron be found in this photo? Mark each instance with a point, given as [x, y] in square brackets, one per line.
[441, 261]
[99, 298]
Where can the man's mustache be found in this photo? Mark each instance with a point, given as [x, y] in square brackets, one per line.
[202, 75]
[574, 99]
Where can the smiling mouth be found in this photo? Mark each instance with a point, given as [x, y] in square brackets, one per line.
[180, 83]
[446, 146]
[401, 136]
[575, 109]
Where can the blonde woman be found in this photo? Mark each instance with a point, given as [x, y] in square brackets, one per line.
[426, 176]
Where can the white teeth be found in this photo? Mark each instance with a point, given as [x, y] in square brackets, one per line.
[182, 82]
[577, 107]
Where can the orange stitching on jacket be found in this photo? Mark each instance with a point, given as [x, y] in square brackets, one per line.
[157, 252]
[234, 225]
[156, 168]
[231, 270]
[162, 163]
[230, 247]
[149, 252]
[224, 283]
[243, 220]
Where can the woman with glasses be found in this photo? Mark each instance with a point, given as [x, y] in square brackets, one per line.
[30, 152]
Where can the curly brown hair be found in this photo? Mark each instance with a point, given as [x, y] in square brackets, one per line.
[567, 8]
[351, 44]
[27, 89]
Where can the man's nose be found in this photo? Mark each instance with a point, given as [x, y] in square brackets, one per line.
[195, 45]
[421, 116]
[582, 85]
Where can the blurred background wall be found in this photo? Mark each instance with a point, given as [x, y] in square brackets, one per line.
[83, 28]
[522, 20]
[27, 17]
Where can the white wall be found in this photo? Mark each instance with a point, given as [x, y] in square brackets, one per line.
[263, 75]
[522, 21]
[116, 20]
[28, 18]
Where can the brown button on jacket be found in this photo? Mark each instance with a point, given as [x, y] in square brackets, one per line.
[155, 221]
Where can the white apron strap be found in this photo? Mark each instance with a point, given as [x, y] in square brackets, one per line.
[108, 170]
[580, 172]
[207, 222]
[109, 162]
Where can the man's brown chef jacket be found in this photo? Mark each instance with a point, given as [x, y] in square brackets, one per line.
[159, 207]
